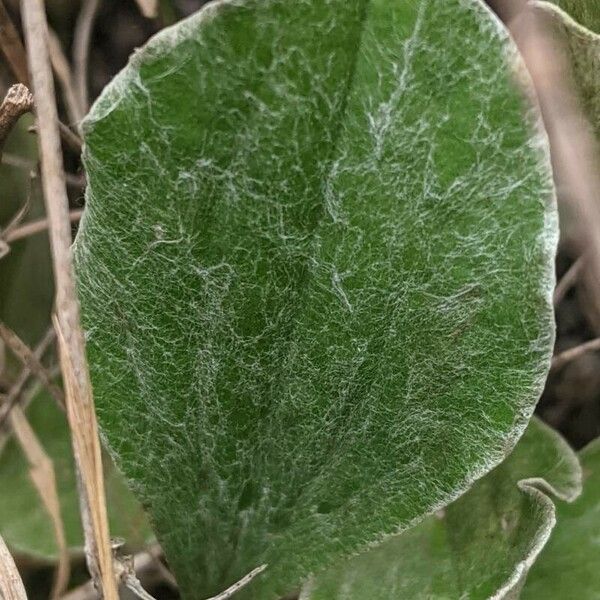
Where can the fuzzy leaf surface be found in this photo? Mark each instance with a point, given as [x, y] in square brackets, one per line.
[568, 565]
[315, 269]
[481, 546]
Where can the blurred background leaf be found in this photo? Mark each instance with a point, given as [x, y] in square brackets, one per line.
[481, 546]
[568, 565]
[26, 283]
[24, 523]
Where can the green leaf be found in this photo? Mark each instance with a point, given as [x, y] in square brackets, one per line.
[315, 269]
[583, 47]
[27, 287]
[568, 566]
[480, 546]
[585, 12]
[25, 524]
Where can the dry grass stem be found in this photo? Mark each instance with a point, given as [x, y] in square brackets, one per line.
[30, 360]
[23, 401]
[41, 471]
[17, 102]
[574, 149]
[12, 47]
[132, 583]
[90, 480]
[568, 280]
[67, 135]
[11, 586]
[12, 160]
[14, 394]
[126, 573]
[12, 225]
[144, 567]
[80, 403]
[236, 587]
[560, 360]
[81, 50]
[70, 138]
[17, 218]
[149, 8]
[65, 77]
[38, 226]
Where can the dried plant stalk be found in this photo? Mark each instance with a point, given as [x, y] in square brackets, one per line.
[568, 280]
[12, 47]
[16, 395]
[11, 586]
[41, 470]
[81, 50]
[575, 151]
[38, 226]
[143, 566]
[79, 400]
[89, 472]
[560, 360]
[148, 8]
[18, 101]
[243, 582]
[65, 77]
[31, 361]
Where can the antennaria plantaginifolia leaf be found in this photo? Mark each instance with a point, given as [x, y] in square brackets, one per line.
[315, 270]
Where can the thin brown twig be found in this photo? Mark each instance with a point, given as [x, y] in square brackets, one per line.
[12, 46]
[236, 587]
[33, 227]
[125, 566]
[148, 8]
[24, 400]
[43, 476]
[13, 160]
[88, 459]
[30, 360]
[17, 102]
[80, 402]
[67, 135]
[14, 394]
[143, 565]
[70, 138]
[15, 221]
[574, 149]
[63, 73]
[568, 280]
[81, 50]
[17, 218]
[11, 585]
[560, 360]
